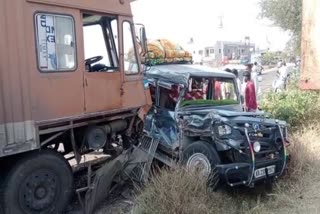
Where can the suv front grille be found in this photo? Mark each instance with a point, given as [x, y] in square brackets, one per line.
[270, 139]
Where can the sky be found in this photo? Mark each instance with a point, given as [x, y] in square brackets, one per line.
[179, 20]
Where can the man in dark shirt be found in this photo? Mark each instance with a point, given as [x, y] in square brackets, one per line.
[250, 93]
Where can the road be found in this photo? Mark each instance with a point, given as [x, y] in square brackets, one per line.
[268, 76]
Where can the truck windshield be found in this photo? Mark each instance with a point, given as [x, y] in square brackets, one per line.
[211, 91]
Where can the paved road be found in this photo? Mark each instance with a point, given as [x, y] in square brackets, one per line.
[267, 79]
[269, 76]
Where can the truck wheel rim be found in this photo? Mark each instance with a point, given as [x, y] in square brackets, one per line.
[199, 161]
[39, 191]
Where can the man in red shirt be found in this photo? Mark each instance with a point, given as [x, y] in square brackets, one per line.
[250, 93]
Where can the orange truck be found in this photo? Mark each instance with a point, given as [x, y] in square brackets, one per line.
[67, 88]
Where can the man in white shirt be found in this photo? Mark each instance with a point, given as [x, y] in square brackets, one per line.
[283, 73]
[254, 77]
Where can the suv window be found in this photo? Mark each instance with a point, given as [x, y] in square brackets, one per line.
[211, 91]
[55, 42]
[168, 96]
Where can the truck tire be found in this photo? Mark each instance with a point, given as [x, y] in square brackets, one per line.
[201, 154]
[40, 182]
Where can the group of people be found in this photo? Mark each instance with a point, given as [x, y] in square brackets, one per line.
[249, 88]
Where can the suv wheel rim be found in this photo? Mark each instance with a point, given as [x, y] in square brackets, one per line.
[199, 161]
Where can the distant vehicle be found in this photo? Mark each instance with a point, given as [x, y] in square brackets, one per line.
[245, 60]
[198, 120]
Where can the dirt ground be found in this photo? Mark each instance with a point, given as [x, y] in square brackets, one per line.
[120, 201]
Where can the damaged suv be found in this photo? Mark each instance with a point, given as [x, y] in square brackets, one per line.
[198, 119]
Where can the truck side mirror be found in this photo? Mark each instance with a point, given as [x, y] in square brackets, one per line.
[142, 38]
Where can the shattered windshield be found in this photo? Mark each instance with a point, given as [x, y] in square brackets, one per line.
[211, 91]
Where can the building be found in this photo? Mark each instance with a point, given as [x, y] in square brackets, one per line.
[204, 52]
[230, 50]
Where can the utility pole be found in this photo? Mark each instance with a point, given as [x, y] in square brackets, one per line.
[310, 46]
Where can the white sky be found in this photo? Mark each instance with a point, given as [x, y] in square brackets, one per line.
[178, 20]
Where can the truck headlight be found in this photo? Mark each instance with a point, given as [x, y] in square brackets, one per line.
[224, 130]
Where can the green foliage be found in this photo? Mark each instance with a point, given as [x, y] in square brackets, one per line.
[270, 58]
[286, 14]
[294, 106]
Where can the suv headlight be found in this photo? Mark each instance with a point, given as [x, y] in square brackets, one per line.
[224, 130]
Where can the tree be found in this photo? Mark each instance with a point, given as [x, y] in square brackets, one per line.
[286, 14]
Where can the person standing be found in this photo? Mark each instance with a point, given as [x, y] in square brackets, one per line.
[250, 94]
[239, 84]
[283, 74]
[254, 77]
[235, 72]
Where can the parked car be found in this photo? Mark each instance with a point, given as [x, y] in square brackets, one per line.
[198, 119]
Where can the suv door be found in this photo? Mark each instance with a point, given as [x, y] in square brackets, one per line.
[164, 120]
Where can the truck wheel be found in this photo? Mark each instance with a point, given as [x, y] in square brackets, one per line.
[40, 182]
[202, 156]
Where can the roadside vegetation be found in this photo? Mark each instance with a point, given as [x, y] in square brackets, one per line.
[178, 191]
[298, 108]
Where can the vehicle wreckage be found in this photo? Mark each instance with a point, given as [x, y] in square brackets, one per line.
[198, 120]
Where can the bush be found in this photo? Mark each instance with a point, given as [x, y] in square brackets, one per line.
[294, 106]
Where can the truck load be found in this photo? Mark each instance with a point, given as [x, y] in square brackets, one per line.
[163, 51]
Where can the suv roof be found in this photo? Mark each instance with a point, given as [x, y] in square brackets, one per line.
[180, 74]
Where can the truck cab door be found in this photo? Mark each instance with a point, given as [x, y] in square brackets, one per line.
[102, 76]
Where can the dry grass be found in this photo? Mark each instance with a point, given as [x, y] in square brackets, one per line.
[177, 191]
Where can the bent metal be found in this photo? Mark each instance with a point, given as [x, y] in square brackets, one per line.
[198, 119]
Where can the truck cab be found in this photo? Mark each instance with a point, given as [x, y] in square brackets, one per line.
[71, 84]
